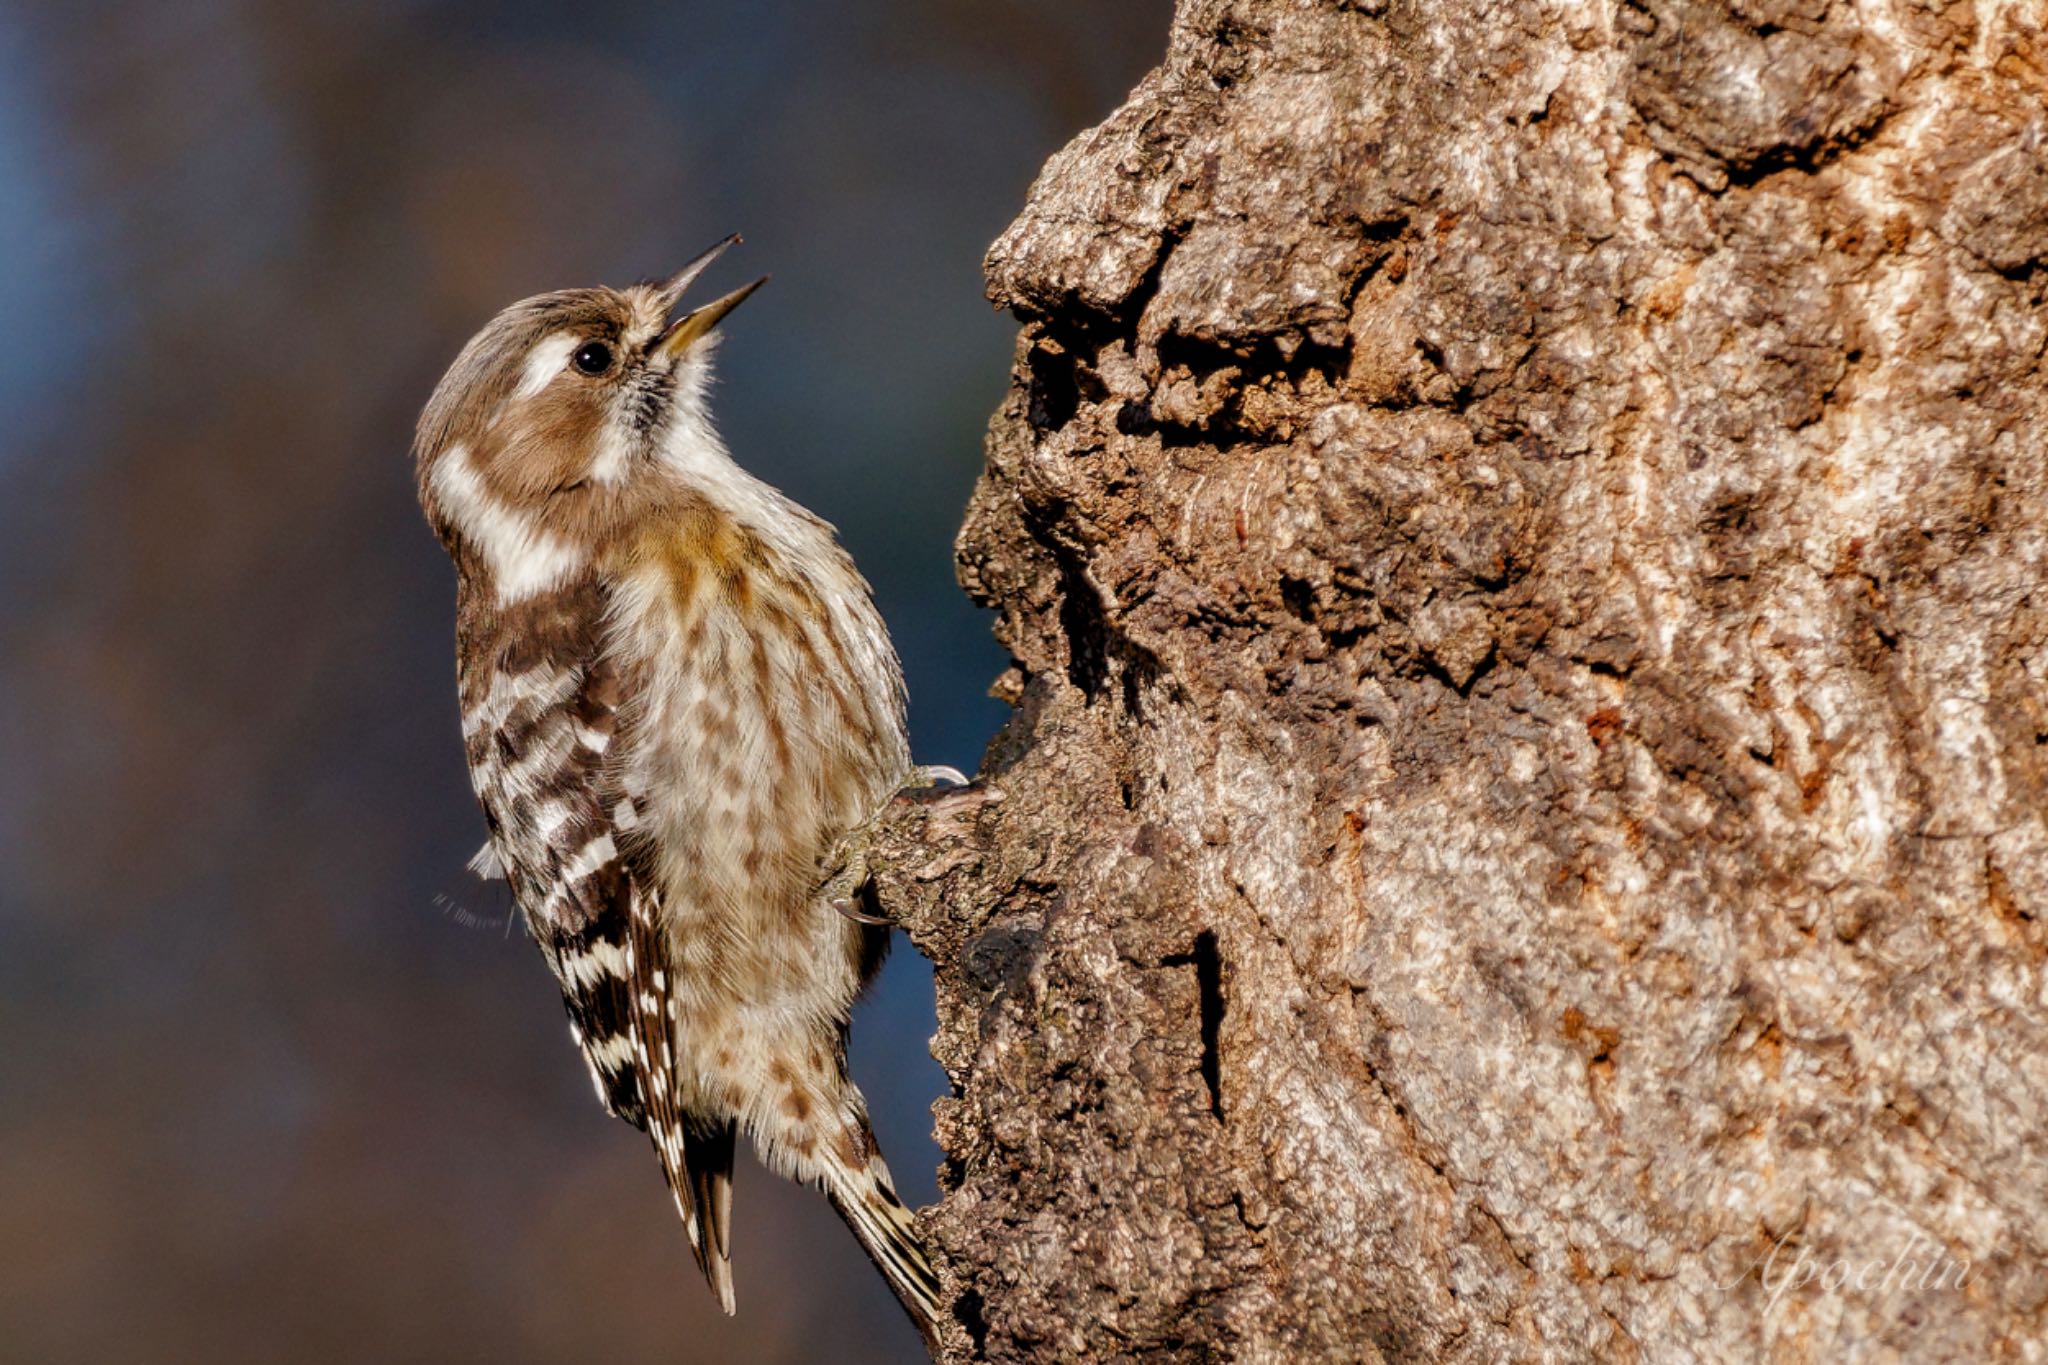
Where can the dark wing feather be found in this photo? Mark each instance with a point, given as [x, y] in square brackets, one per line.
[537, 754]
[544, 738]
[707, 1153]
[698, 1165]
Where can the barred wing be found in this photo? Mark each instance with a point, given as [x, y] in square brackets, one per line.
[544, 742]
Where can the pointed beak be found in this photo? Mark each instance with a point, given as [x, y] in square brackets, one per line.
[687, 330]
[672, 292]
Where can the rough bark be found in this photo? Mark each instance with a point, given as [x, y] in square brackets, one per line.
[1521, 529]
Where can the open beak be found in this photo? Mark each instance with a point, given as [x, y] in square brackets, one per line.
[687, 330]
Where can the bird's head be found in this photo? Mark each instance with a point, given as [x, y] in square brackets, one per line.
[567, 417]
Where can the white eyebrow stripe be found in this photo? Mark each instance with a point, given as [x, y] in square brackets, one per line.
[544, 362]
[523, 557]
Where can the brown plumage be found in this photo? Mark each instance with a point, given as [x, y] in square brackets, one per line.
[677, 697]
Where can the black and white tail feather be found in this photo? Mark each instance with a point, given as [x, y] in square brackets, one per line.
[635, 1082]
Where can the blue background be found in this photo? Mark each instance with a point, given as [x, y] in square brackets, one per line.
[277, 1080]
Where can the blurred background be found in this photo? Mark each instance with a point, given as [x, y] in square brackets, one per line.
[278, 1081]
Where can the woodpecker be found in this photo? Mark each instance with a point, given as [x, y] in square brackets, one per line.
[680, 709]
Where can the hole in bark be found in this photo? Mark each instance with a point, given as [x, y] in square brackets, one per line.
[967, 1310]
[1055, 394]
[1208, 965]
[1300, 598]
[1087, 663]
[1134, 419]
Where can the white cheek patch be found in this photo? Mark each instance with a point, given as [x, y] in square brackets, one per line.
[614, 453]
[524, 558]
[544, 362]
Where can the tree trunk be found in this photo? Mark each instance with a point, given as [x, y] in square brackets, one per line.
[1521, 528]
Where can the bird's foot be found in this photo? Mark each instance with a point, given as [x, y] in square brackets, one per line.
[846, 867]
[847, 874]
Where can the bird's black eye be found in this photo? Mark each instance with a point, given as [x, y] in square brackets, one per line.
[593, 357]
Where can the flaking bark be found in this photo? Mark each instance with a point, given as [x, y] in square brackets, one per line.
[1523, 531]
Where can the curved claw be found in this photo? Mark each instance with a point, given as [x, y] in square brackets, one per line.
[844, 905]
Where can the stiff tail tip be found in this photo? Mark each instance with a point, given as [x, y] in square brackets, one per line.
[888, 1232]
[698, 1164]
[710, 1172]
